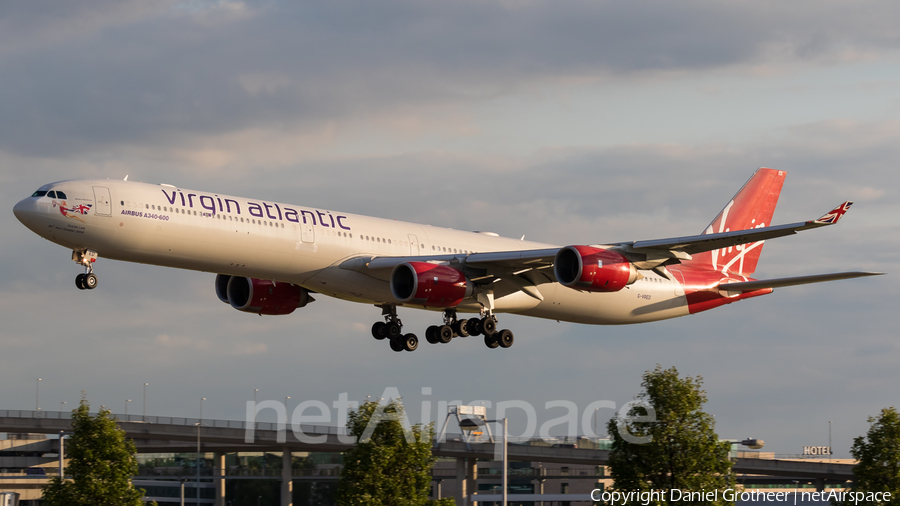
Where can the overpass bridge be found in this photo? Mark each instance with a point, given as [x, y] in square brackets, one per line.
[155, 434]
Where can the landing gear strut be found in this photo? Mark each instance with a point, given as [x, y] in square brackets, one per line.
[88, 280]
[392, 329]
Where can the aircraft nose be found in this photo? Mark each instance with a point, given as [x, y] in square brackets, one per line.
[23, 210]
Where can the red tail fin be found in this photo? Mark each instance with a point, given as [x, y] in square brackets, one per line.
[752, 207]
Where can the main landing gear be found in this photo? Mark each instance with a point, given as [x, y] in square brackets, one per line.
[453, 327]
[88, 280]
[392, 330]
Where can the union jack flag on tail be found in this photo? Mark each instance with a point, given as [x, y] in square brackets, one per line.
[835, 214]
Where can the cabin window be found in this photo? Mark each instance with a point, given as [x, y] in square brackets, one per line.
[60, 195]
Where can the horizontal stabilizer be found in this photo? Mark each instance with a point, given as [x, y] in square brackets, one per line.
[746, 286]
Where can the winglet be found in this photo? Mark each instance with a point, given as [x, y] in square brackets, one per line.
[835, 214]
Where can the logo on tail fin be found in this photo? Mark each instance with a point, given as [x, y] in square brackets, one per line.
[835, 214]
[752, 207]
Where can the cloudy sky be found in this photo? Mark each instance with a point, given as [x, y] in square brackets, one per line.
[569, 122]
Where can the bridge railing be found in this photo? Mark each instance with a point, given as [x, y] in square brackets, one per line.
[561, 441]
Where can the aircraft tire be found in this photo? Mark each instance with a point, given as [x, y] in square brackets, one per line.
[431, 334]
[410, 342]
[505, 338]
[445, 334]
[463, 330]
[488, 326]
[79, 281]
[378, 330]
[90, 281]
[474, 327]
[491, 342]
[396, 344]
[392, 330]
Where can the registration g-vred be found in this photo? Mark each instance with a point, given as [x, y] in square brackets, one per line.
[272, 257]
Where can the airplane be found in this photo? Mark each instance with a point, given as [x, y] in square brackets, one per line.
[270, 258]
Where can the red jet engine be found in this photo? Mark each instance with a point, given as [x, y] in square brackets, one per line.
[593, 269]
[429, 285]
[261, 296]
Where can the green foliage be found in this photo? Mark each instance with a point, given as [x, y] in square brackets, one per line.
[878, 454]
[388, 469]
[101, 464]
[447, 501]
[684, 454]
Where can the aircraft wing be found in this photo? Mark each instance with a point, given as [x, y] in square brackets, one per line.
[678, 247]
[746, 286]
[536, 265]
[492, 265]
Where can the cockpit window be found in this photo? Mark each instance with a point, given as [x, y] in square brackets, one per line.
[52, 194]
[60, 195]
[39, 193]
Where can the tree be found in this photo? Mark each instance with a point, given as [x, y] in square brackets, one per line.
[390, 467]
[101, 464]
[878, 453]
[683, 452]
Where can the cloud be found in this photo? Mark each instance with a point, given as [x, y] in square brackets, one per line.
[570, 123]
[175, 74]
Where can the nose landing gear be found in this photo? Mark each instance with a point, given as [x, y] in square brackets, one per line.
[88, 280]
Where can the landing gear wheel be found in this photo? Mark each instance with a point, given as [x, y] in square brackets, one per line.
[410, 342]
[378, 330]
[488, 326]
[392, 330]
[462, 329]
[491, 341]
[474, 327]
[431, 334]
[445, 334]
[396, 344]
[79, 281]
[504, 338]
[90, 281]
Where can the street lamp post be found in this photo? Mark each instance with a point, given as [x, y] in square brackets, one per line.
[37, 395]
[144, 414]
[126, 408]
[752, 443]
[470, 424]
[199, 424]
[62, 452]
[61, 405]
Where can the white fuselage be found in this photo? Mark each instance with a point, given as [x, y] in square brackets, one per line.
[203, 231]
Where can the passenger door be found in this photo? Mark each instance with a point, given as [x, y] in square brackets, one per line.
[102, 201]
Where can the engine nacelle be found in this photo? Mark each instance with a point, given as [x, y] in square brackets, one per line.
[260, 296]
[429, 285]
[593, 269]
